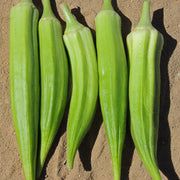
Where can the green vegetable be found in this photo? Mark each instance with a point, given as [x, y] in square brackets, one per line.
[54, 80]
[113, 78]
[144, 46]
[79, 43]
[24, 82]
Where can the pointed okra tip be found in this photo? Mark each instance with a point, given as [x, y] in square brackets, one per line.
[71, 23]
[39, 170]
[69, 165]
[70, 158]
[145, 19]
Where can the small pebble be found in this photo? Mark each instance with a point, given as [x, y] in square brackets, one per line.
[46, 176]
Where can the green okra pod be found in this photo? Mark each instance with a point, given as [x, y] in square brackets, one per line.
[24, 82]
[80, 46]
[113, 79]
[144, 46]
[54, 80]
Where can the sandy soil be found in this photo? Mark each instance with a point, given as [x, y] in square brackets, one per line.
[93, 161]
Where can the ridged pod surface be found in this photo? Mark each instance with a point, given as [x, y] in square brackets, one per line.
[24, 82]
[54, 80]
[144, 46]
[80, 46]
[113, 79]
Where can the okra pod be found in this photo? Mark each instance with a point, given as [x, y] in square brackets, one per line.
[113, 79]
[54, 80]
[24, 82]
[144, 46]
[80, 46]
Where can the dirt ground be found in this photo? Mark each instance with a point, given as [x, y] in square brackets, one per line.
[93, 161]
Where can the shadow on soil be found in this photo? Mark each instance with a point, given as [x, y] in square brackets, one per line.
[164, 141]
[85, 149]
